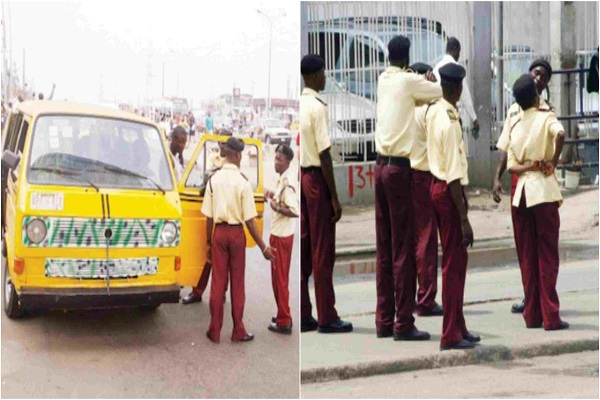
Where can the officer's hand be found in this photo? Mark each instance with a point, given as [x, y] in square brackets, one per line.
[268, 195]
[467, 233]
[430, 76]
[548, 168]
[476, 125]
[337, 210]
[496, 190]
[209, 254]
[533, 166]
[269, 253]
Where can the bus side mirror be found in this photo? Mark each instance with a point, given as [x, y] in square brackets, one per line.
[10, 160]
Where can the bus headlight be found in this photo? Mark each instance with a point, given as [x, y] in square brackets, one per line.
[36, 231]
[169, 232]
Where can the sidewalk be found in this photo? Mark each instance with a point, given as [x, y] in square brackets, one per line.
[503, 337]
[355, 233]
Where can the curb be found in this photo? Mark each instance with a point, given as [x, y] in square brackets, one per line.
[479, 355]
[370, 249]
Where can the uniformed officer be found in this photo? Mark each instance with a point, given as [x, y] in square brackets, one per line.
[535, 145]
[448, 164]
[541, 71]
[216, 160]
[426, 240]
[320, 207]
[228, 204]
[399, 90]
[284, 203]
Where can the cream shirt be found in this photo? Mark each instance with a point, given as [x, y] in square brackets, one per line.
[514, 115]
[445, 146]
[398, 92]
[229, 197]
[418, 153]
[466, 101]
[285, 194]
[313, 128]
[176, 166]
[532, 139]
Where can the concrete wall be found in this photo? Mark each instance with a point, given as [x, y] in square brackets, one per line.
[355, 183]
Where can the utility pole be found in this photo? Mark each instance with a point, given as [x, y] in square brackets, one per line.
[500, 64]
[270, 48]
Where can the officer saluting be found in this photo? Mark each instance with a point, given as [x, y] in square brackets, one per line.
[448, 164]
[229, 203]
[399, 90]
[320, 209]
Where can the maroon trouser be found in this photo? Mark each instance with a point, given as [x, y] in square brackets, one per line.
[396, 272]
[203, 281]
[539, 226]
[280, 277]
[513, 186]
[426, 240]
[317, 231]
[454, 264]
[228, 259]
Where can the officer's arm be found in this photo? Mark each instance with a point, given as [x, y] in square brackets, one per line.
[209, 230]
[456, 192]
[253, 229]
[327, 167]
[425, 91]
[284, 210]
[501, 165]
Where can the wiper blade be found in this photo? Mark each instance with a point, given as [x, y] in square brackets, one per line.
[66, 172]
[131, 173]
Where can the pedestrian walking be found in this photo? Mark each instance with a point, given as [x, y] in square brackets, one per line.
[399, 91]
[448, 164]
[284, 204]
[536, 142]
[228, 204]
[426, 237]
[320, 206]
[541, 72]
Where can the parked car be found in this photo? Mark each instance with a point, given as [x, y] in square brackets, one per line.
[273, 131]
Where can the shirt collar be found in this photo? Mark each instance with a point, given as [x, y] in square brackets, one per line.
[394, 69]
[284, 175]
[311, 92]
[230, 166]
[448, 105]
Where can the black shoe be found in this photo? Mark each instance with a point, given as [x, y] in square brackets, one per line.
[191, 298]
[436, 311]
[385, 333]
[518, 308]
[413, 334]
[462, 345]
[338, 326]
[563, 325]
[469, 337]
[248, 337]
[308, 324]
[285, 330]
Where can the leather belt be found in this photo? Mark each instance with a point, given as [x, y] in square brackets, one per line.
[226, 224]
[396, 161]
[310, 169]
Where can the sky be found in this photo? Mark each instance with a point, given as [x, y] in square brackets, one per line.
[102, 51]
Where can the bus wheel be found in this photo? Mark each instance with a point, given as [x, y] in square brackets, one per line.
[10, 300]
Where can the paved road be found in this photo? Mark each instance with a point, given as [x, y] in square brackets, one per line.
[567, 376]
[128, 354]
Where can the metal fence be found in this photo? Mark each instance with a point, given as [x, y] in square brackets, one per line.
[353, 38]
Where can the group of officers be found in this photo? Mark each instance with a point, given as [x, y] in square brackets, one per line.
[420, 177]
[228, 205]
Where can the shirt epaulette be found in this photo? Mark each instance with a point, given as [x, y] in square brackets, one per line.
[451, 115]
[321, 101]
[514, 113]
[245, 177]
[515, 124]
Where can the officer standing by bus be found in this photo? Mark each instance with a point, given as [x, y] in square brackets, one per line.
[320, 207]
[228, 204]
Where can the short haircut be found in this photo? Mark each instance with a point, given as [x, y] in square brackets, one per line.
[285, 150]
[179, 131]
[399, 48]
[452, 44]
[525, 91]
